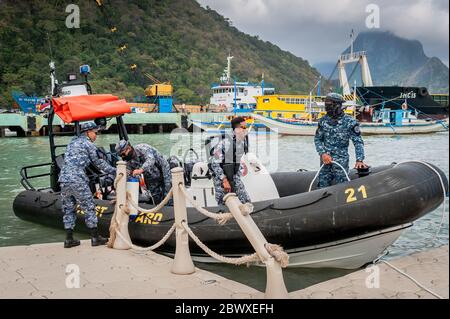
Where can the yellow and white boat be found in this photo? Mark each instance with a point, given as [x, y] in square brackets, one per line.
[296, 107]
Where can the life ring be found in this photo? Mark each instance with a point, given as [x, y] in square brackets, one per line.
[404, 106]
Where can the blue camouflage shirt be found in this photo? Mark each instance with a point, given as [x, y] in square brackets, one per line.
[153, 163]
[333, 137]
[80, 153]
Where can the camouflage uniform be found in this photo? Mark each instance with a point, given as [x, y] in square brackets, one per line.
[220, 157]
[332, 137]
[80, 153]
[156, 170]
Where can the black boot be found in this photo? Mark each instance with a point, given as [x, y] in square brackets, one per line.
[70, 242]
[96, 239]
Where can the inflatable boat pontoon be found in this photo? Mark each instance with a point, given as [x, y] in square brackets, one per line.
[344, 226]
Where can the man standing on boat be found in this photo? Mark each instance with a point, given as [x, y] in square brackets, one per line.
[81, 152]
[333, 134]
[145, 159]
[226, 162]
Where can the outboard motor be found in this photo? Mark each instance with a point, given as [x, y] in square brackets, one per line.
[257, 180]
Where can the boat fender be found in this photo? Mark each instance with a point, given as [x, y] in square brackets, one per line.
[133, 190]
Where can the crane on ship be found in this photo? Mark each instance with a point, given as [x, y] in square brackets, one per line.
[360, 58]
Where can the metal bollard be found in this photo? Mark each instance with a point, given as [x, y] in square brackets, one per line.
[182, 264]
[121, 204]
[275, 287]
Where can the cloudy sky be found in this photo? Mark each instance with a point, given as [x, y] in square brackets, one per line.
[318, 30]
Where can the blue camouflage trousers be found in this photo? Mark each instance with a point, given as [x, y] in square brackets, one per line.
[78, 193]
[238, 188]
[333, 174]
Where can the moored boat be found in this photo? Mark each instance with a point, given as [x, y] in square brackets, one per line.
[339, 226]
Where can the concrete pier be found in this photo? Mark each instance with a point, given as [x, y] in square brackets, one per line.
[137, 122]
[430, 268]
[50, 271]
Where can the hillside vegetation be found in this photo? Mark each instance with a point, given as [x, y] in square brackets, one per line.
[173, 40]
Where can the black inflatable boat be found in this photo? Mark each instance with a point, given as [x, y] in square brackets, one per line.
[344, 226]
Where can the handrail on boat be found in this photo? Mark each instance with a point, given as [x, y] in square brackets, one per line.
[25, 177]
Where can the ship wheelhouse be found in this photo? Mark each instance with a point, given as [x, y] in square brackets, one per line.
[239, 96]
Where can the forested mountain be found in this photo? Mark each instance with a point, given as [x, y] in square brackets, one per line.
[397, 61]
[173, 40]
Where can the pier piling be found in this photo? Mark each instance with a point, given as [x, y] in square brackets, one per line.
[182, 264]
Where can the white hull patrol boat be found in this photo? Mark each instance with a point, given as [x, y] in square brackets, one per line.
[232, 96]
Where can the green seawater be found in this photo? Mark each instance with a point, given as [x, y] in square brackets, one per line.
[279, 154]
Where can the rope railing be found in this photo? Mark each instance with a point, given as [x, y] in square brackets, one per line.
[234, 261]
[114, 229]
[117, 179]
[154, 246]
[273, 256]
[154, 209]
[277, 252]
[246, 209]
[221, 218]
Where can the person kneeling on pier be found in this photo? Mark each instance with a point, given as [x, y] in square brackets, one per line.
[145, 159]
[81, 152]
[226, 162]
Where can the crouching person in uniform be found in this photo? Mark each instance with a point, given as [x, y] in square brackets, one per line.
[144, 159]
[334, 132]
[80, 153]
[226, 162]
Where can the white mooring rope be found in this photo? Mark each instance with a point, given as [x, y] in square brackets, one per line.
[413, 280]
[435, 236]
